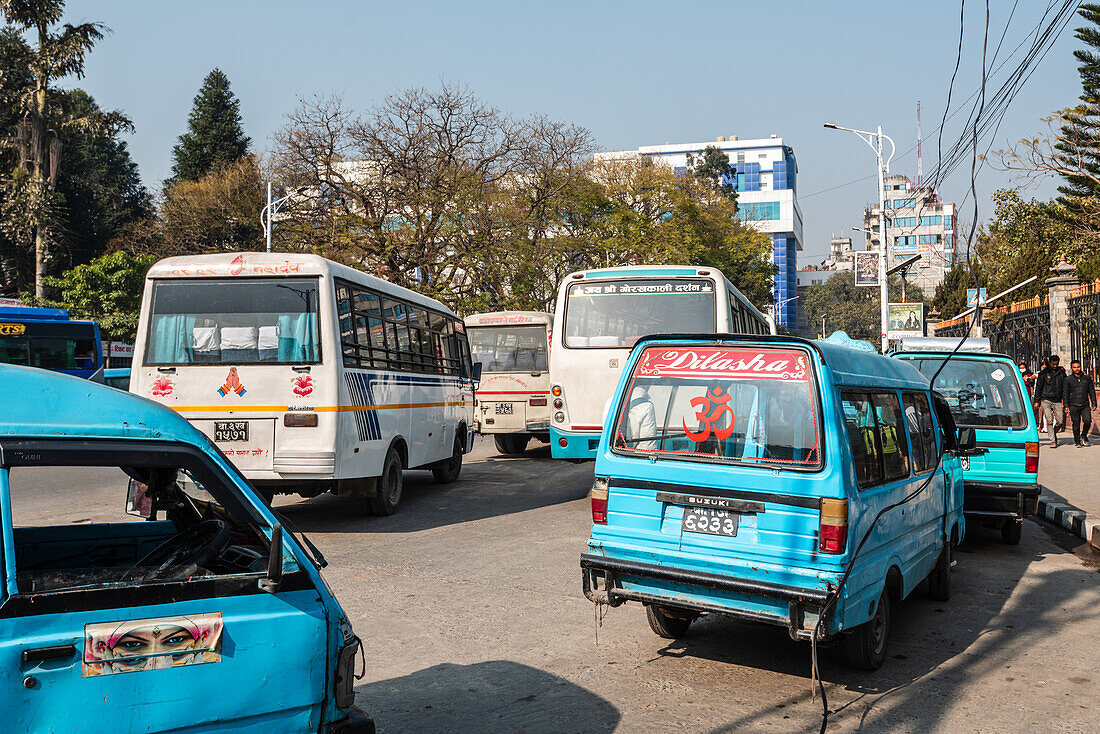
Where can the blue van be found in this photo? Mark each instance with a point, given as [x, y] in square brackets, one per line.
[739, 474]
[193, 611]
[986, 393]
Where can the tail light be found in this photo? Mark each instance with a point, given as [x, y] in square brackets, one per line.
[556, 390]
[833, 532]
[558, 403]
[599, 501]
[1031, 463]
[538, 402]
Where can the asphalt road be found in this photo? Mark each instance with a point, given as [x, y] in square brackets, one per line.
[469, 604]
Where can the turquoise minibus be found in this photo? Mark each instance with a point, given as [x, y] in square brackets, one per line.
[806, 484]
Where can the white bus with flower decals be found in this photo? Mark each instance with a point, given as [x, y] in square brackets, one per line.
[309, 375]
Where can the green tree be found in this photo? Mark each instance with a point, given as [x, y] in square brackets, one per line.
[950, 297]
[1025, 239]
[1079, 144]
[713, 165]
[851, 308]
[108, 290]
[30, 210]
[214, 136]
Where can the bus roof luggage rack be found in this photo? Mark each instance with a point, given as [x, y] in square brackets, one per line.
[945, 344]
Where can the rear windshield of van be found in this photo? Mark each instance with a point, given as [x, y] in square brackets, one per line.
[982, 393]
[735, 405]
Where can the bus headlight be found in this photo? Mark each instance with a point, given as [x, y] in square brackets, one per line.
[559, 417]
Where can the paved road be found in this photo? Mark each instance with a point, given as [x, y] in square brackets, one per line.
[469, 604]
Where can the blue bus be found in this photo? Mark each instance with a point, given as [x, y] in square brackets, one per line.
[48, 339]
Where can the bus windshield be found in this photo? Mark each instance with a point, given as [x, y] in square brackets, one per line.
[981, 393]
[617, 313]
[509, 348]
[234, 321]
[737, 405]
[61, 345]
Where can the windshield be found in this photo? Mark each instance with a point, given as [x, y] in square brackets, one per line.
[509, 348]
[617, 313]
[728, 404]
[51, 346]
[981, 393]
[234, 321]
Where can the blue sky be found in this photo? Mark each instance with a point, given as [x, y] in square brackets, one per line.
[636, 73]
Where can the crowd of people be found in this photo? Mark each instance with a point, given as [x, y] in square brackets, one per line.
[1060, 397]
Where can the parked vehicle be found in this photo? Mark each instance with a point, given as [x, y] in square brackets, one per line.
[513, 349]
[310, 375]
[117, 377]
[165, 625]
[738, 474]
[47, 338]
[987, 393]
[602, 313]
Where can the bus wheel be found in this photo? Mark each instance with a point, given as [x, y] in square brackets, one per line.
[1012, 531]
[447, 471]
[865, 647]
[511, 444]
[387, 488]
[665, 625]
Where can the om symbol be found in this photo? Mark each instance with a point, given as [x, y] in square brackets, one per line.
[709, 410]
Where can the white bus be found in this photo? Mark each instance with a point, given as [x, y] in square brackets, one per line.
[513, 349]
[601, 314]
[309, 375]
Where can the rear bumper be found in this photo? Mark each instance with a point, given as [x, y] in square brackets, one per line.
[578, 444]
[613, 581]
[1000, 499]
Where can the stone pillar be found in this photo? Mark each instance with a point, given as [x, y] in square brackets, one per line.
[930, 322]
[1059, 286]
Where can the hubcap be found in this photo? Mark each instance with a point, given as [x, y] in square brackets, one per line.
[878, 627]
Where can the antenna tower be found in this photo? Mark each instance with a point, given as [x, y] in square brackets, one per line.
[920, 168]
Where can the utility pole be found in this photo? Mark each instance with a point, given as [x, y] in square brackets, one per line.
[267, 228]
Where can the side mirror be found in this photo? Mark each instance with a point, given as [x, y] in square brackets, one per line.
[274, 578]
[476, 376]
[138, 501]
[967, 442]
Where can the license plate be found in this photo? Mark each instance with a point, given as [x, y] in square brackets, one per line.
[230, 431]
[711, 522]
[505, 409]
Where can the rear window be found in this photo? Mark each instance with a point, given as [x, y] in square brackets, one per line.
[981, 393]
[733, 405]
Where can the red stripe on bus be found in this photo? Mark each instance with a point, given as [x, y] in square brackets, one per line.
[587, 428]
[513, 392]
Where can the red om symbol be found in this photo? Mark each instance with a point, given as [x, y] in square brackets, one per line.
[710, 408]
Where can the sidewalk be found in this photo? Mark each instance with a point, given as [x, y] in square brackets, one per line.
[1070, 478]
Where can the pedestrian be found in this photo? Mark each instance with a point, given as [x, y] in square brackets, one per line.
[1049, 391]
[1029, 379]
[1035, 401]
[1080, 399]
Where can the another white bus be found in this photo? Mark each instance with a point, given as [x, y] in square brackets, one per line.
[600, 314]
[309, 375]
[513, 348]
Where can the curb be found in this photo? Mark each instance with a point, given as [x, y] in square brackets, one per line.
[1070, 518]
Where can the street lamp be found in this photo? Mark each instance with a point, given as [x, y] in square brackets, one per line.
[868, 137]
[272, 208]
[774, 308]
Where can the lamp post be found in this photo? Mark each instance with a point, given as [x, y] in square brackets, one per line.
[774, 309]
[869, 138]
[272, 208]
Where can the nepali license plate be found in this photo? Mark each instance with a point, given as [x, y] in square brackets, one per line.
[505, 409]
[230, 431]
[710, 522]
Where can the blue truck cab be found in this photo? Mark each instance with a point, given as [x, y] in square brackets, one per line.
[987, 394]
[739, 474]
[192, 611]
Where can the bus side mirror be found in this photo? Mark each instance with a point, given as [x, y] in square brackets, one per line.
[274, 578]
[476, 376]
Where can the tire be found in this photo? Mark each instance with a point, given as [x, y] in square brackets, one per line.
[447, 471]
[1012, 531]
[511, 444]
[865, 647]
[665, 626]
[386, 494]
[939, 579]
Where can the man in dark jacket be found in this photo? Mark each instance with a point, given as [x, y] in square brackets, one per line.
[1080, 398]
[1049, 392]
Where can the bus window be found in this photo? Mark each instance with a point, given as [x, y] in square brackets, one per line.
[617, 314]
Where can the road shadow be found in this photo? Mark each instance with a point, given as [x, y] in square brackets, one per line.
[489, 486]
[485, 698]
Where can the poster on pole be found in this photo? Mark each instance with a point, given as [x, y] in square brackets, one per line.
[975, 297]
[867, 267]
[904, 320]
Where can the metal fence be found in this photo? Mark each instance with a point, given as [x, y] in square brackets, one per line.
[1021, 330]
[956, 328]
[1084, 326]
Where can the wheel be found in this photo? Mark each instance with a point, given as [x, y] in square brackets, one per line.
[446, 471]
[511, 444]
[939, 579]
[1012, 531]
[387, 488]
[664, 625]
[865, 647]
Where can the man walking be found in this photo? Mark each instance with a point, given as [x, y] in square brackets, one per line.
[1080, 399]
[1049, 392]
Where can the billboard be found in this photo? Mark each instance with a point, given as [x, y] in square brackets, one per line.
[867, 267]
[904, 320]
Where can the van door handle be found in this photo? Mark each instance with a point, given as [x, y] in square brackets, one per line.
[57, 652]
[167, 370]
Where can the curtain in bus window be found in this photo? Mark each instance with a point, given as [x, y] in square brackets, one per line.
[171, 338]
[297, 337]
